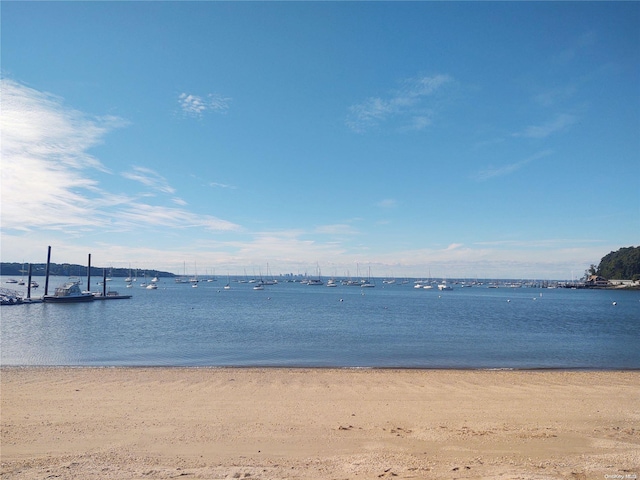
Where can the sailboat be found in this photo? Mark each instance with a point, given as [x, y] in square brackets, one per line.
[368, 283]
[129, 279]
[21, 281]
[314, 281]
[194, 279]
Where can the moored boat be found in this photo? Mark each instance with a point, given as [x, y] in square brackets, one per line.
[70, 292]
[110, 295]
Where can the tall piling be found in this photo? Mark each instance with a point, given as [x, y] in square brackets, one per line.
[89, 274]
[29, 283]
[104, 282]
[46, 273]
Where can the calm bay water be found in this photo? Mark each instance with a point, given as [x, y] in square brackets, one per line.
[290, 324]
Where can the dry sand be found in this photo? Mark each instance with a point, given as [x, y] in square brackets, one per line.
[148, 423]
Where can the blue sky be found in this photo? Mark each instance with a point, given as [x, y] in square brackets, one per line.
[471, 139]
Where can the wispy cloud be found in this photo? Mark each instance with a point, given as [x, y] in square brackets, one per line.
[197, 106]
[576, 47]
[159, 216]
[336, 229]
[49, 181]
[149, 178]
[553, 96]
[540, 243]
[179, 201]
[493, 172]
[387, 203]
[45, 164]
[407, 105]
[557, 124]
[221, 185]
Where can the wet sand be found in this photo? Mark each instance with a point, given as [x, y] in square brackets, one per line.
[148, 423]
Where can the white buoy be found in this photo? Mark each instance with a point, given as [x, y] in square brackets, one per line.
[615, 303]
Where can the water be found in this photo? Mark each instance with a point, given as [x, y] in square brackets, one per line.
[297, 325]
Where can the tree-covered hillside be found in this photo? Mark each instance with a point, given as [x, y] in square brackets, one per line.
[622, 265]
[68, 270]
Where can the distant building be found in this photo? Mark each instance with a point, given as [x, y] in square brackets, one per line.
[596, 281]
[623, 283]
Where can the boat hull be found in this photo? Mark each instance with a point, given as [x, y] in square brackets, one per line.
[74, 299]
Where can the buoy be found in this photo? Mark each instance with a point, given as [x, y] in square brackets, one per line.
[508, 301]
[615, 303]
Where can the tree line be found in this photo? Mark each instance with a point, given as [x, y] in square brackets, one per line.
[623, 264]
[68, 270]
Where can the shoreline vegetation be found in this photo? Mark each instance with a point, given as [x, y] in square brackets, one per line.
[307, 423]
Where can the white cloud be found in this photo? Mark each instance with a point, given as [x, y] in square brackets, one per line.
[387, 203]
[552, 97]
[221, 185]
[196, 106]
[406, 105]
[159, 216]
[559, 123]
[49, 180]
[492, 172]
[336, 229]
[45, 164]
[149, 178]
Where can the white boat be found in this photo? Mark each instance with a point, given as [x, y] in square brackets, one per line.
[368, 283]
[70, 292]
[152, 286]
[129, 279]
[444, 286]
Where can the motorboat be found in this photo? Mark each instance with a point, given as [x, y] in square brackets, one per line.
[70, 292]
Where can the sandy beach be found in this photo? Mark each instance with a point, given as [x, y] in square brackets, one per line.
[148, 423]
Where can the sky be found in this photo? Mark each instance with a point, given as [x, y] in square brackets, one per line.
[408, 139]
